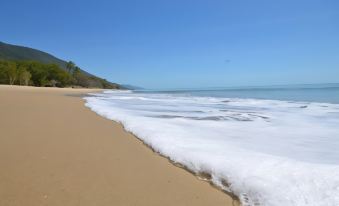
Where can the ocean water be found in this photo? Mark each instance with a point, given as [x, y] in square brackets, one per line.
[269, 146]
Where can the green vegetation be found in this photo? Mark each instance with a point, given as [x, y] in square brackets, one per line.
[70, 66]
[50, 75]
[26, 66]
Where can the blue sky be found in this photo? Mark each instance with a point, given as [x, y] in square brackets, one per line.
[184, 44]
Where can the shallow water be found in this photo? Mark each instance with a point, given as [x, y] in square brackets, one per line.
[270, 152]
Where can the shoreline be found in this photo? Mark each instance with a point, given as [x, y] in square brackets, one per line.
[206, 177]
[100, 162]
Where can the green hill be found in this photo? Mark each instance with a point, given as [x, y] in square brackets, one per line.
[20, 53]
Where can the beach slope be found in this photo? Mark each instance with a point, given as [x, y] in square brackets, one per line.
[55, 151]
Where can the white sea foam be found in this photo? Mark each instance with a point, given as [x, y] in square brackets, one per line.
[271, 153]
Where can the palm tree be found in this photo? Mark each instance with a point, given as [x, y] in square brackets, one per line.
[70, 66]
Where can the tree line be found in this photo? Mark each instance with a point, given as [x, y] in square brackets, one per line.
[48, 75]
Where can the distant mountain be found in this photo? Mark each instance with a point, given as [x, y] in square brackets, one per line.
[131, 87]
[21, 53]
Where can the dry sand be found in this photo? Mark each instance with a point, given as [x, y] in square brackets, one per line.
[55, 151]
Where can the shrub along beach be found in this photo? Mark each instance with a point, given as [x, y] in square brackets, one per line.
[48, 75]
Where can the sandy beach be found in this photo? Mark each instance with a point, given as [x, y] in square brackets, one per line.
[55, 151]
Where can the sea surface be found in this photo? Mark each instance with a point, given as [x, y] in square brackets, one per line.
[270, 146]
